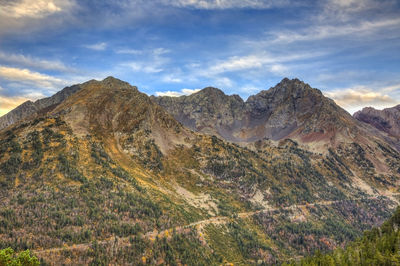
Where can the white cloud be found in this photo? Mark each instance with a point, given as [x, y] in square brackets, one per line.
[171, 79]
[177, 93]
[331, 31]
[128, 51]
[101, 46]
[160, 51]
[33, 62]
[274, 63]
[353, 99]
[346, 10]
[189, 91]
[29, 8]
[228, 4]
[237, 63]
[250, 89]
[391, 88]
[142, 67]
[223, 82]
[30, 78]
[28, 16]
[279, 69]
[152, 61]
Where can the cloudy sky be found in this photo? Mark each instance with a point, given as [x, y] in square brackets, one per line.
[350, 49]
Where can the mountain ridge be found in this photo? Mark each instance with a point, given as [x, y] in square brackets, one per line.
[386, 120]
[30, 108]
[291, 109]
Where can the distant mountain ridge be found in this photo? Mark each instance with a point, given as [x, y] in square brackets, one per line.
[30, 108]
[386, 120]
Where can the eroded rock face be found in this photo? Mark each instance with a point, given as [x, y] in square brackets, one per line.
[209, 111]
[30, 108]
[290, 109]
[387, 120]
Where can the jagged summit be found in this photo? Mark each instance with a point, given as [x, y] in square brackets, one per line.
[209, 111]
[287, 88]
[292, 109]
[114, 82]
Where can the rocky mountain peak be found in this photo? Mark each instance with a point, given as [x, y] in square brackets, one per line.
[112, 82]
[112, 107]
[287, 88]
[292, 109]
[213, 96]
[211, 91]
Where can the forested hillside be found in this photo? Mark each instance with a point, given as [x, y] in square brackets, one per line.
[379, 246]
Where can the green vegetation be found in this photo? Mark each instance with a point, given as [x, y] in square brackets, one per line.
[10, 167]
[24, 258]
[379, 246]
[176, 248]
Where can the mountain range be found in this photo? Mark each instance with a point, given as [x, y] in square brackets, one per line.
[101, 173]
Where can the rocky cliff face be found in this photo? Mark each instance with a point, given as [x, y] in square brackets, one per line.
[291, 109]
[30, 108]
[209, 111]
[386, 120]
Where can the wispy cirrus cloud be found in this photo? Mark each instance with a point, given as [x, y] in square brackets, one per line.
[34, 62]
[171, 79]
[259, 60]
[322, 32]
[139, 66]
[128, 51]
[151, 61]
[101, 46]
[346, 10]
[228, 4]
